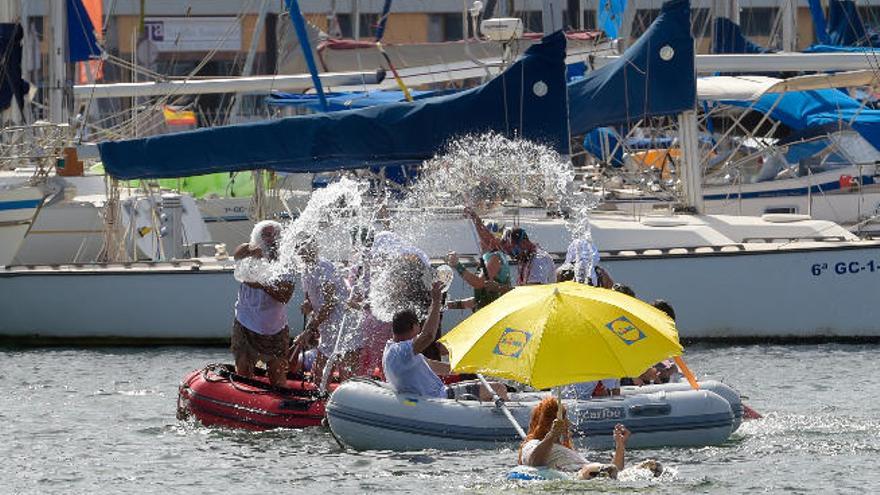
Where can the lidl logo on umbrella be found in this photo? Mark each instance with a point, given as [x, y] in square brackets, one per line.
[626, 330]
[512, 342]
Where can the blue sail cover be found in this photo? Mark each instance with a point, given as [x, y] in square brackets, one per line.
[347, 100]
[12, 86]
[527, 100]
[819, 25]
[640, 83]
[729, 38]
[845, 30]
[81, 41]
[820, 109]
[845, 27]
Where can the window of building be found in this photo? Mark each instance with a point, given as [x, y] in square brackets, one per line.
[446, 27]
[757, 21]
[532, 21]
[573, 21]
[369, 23]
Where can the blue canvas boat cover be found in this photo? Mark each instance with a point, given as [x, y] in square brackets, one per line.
[655, 76]
[729, 38]
[823, 109]
[844, 30]
[527, 100]
[81, 41]
[345, 101]
[12, 86]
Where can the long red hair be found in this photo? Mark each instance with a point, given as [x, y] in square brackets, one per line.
[542, 420]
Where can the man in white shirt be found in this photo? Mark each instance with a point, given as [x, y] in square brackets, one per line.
[326, 295]
[536, 266]
[260, 330]
[409, 371]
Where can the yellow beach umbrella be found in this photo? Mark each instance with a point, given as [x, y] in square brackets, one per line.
[553, 335]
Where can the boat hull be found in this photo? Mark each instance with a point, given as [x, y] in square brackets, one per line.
[215, 396]
[815, 292]
[369, 415]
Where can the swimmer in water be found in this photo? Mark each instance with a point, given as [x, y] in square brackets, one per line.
[548, 444]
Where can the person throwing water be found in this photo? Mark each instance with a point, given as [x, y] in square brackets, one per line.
[536, 266]
[493, 279]
[259, 331]
[326, 294]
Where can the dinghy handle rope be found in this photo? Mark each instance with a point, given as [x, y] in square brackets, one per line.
[236, 381]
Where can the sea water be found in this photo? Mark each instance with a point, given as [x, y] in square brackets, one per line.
[103, 421]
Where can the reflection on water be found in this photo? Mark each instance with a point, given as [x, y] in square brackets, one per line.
[80, 421]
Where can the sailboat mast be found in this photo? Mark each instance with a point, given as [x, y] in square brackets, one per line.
[57, 61]
[552, 16]
[789, 25]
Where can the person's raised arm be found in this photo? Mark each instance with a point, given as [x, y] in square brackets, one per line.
[281, 291]
[429, 330]
[621, 435]
[485, 235]
[541, 455]
[468, 276]
[245, 251]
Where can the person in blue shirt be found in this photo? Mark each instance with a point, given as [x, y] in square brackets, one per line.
[412, 373]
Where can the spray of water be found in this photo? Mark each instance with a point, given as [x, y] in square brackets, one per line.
[477, 171]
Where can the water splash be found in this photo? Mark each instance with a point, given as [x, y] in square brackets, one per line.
[402, 277]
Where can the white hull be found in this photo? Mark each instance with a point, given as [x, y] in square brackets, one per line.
[18, 206]
[370, 415]
[769, 293]
[819, 196]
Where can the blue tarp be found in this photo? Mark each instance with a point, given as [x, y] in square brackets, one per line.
[640, 83]
[729, 38]
[345, 101]
[527, 100]
[81, 41]
[12, 86]
[602, 141]
[609, 16]
[838, 49]
[826, 108]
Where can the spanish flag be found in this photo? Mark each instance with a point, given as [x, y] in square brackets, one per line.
[178, 116]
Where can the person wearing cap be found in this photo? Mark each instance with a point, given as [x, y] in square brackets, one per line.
[259, 331]
[536, 266]
[493, 279]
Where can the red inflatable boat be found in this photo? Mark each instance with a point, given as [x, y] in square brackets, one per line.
[216, 396]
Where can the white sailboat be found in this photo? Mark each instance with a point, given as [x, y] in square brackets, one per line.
[778, 276]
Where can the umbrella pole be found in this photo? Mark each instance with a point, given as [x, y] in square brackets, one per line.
[500, 405]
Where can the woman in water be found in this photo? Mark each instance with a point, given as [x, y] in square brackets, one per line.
[548, 444]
